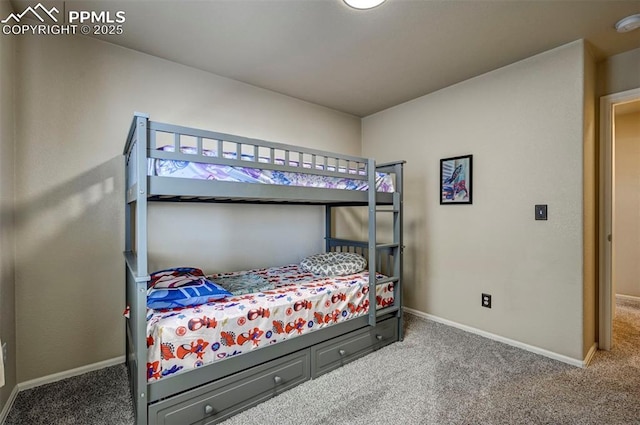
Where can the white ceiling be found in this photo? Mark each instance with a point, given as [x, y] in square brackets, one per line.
[360, 62]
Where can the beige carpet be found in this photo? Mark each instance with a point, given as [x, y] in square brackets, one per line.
[437, 375]
[441, 375]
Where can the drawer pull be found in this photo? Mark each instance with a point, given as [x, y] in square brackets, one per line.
[342, 352]
[277, 380]
[208, 409]
[379, 337]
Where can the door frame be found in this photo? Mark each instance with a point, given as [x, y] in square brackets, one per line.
[607, 298]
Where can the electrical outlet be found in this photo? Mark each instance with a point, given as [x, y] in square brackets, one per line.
[486, 300]
[4, 352]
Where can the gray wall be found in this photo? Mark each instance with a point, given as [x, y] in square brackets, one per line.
[619, 73]
[7, 251]
[7, 247]
[76, 97]
[524, 124]
[589, 204]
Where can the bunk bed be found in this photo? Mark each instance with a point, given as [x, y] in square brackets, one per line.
[170, 163]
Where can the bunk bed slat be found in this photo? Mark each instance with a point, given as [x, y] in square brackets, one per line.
[388, 279]
[152, 140]
[387, 310]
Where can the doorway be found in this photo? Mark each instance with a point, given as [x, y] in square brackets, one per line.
[611, 106]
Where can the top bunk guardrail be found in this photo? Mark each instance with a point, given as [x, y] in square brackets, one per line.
[187, 164]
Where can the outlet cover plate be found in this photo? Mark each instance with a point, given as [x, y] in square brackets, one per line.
[486, 300]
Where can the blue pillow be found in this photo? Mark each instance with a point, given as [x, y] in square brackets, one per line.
[193, 290]
[175, 277]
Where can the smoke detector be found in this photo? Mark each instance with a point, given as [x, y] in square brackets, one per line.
[364, 4]
[629, 23]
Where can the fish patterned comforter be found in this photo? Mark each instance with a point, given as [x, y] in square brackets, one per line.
[184, 339]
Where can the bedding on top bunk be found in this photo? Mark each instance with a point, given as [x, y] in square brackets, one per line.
[204, 171]
[300, 302]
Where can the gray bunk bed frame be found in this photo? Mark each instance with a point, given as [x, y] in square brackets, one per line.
[214, 392]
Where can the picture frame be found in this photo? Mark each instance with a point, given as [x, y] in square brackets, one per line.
[456, 180]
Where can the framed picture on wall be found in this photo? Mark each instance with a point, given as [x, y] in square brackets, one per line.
[456, 180]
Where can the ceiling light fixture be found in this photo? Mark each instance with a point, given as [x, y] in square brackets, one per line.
[629, 23]
[364, 4]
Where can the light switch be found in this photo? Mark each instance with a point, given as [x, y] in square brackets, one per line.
[541, 212]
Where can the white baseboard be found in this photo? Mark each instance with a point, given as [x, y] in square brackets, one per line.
[508, 341]
[7, 407]
[69, 373]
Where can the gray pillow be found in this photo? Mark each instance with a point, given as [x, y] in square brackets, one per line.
[244, 283]
[334, 263]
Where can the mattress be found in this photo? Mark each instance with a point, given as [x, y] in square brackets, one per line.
[205, 171]
[300, 303]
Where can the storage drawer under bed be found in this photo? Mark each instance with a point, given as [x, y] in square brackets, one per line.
[332, 354]
[215, 402]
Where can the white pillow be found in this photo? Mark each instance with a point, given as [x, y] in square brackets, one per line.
[334, 263]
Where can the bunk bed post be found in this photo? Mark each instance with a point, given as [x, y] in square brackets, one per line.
[135, 254]
[327, 228]
[373, 254]
[141, 204]
[142, 278]
[397, 236]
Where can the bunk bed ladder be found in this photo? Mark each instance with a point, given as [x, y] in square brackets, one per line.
[391, 252]
[394, 249]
